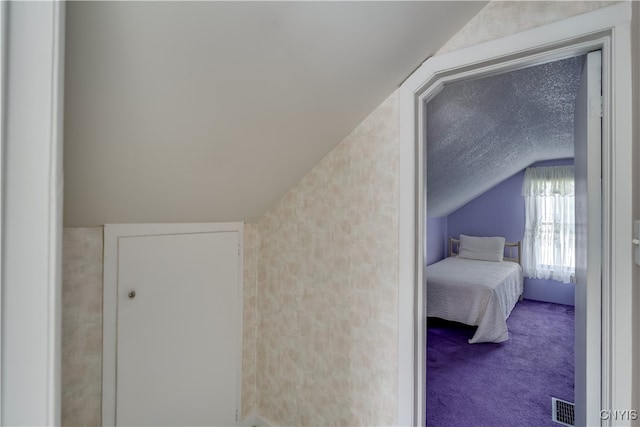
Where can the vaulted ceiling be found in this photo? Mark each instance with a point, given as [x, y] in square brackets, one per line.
[481, 132]
[211, 111]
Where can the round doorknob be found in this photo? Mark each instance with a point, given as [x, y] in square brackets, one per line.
[132, 294]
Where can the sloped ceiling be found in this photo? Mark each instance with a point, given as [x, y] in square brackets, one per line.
[211, 111]
[481, 132]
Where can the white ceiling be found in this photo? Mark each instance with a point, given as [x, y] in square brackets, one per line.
[211, 111]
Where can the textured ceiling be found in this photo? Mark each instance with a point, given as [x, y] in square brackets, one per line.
[482, 131]
[211, 111]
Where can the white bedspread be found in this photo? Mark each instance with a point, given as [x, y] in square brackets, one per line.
[473, 292]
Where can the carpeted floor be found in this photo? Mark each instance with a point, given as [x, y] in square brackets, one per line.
[506, 384]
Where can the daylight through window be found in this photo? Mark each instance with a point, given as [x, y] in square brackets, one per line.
[549, 236]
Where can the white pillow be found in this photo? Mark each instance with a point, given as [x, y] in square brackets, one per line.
[482, 248]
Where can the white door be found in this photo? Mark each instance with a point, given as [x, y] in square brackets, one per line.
[178, 329]
[588, 161]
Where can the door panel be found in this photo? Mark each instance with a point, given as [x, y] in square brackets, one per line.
[177, 337]
[588, 161]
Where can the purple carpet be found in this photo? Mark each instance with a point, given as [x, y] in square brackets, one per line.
[506, 384]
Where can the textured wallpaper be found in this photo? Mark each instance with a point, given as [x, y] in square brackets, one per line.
[82, 327]
[502, 18]
[327, 286]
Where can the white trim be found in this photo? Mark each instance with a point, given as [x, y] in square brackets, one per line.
[112, 233]
[408, 341]
[591, 164]
[635, 35]
[3, 94]
[32, 212]
[56, 191]
[533, 46]
[620, 329]
[240, 316]
[568, 31]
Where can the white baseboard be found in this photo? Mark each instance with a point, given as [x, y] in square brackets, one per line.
[255, 421]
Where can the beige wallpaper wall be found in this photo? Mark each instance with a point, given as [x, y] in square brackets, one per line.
[320, 313]
[327, 278]
[82, 326]
[502, 18]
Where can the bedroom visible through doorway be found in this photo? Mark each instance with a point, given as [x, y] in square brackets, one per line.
[603, 352]
[481, 134]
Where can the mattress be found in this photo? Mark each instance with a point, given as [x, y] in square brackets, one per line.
[474, 292]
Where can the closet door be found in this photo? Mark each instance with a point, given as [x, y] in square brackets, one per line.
[177, 331]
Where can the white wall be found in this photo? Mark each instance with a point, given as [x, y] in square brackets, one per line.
[32, 216]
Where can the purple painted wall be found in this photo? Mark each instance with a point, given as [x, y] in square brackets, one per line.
[437, 242]
[500, 212]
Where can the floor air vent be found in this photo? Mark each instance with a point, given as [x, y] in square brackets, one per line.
[562, 412]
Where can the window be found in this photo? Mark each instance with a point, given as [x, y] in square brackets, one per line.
[549, 235]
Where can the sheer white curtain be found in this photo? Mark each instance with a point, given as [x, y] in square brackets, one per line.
[549, 235]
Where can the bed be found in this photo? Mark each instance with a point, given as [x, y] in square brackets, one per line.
[478, 284]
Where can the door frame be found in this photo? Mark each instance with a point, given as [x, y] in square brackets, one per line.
[112, 234]
[31, 175]
[607, 29]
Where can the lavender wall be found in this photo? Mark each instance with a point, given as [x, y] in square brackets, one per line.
[436, 239]
[500, 212]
